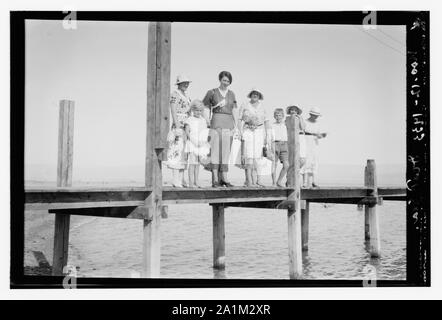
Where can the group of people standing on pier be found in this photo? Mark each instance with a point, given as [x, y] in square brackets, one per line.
[213, 133]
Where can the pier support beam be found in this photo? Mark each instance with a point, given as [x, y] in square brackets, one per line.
[305, 208]
[371, 219]
[294, 210]
[158, 96]
[219, 237]
[64, 179]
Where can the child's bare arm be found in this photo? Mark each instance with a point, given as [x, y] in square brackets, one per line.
[186, 131]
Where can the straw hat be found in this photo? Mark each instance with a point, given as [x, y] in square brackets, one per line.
[261, 96]
[315, 111]
[181, 79]
[298, 108]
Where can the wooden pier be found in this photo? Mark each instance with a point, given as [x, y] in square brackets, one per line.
[150, 203]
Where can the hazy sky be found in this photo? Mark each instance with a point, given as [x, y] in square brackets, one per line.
[355, 76]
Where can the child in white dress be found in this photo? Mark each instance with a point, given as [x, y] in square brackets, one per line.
[197, 146]
[297, 111]
[253, 126]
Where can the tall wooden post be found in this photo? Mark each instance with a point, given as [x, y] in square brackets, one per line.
[158, 95]
[294, 209]
[64, 179]
[305, 212]
[372, 231]
[219, 236]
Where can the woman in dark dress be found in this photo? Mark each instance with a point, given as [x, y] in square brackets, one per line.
[221, 101]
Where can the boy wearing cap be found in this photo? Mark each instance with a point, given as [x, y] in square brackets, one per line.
[279, 146]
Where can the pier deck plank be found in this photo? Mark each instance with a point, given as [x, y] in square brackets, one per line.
[89, 198]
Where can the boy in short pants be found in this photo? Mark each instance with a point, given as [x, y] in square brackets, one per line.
[279, 146]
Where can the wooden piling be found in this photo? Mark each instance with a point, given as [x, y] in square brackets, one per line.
[158, 94]
[64, 179]
[372, 231]
[294, 208]
[305, 212]
[219, 236]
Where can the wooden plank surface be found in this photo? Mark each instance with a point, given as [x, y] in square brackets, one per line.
[64, 199]
[151, 227]
[391, 191]
[151, 102]
[61, 243]
[130, 212]
[158, 93]
[212, 195]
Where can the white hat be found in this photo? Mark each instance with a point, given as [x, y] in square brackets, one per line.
[181, 79]
[315, 111]
[254, 89]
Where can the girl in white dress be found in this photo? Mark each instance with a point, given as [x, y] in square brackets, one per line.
[179, 108]
[197, 146]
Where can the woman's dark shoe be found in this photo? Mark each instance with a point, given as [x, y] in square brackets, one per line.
[216, 185]
[226, 184]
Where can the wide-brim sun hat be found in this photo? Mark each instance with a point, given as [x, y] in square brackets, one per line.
[315, 111]
[298, 108]
[261, 96]
[181, 79]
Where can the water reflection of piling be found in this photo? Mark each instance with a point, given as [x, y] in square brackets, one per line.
[372, 232]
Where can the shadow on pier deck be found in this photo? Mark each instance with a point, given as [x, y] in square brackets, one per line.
[150, 203]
